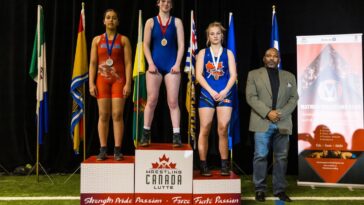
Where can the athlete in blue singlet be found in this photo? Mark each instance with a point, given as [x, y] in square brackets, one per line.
[216, 73]
[164, 57]
[163, 50]
[217, 78]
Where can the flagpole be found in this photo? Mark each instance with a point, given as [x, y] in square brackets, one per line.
[38, 103]
[84, 125]
[191, 106]
[233, 136]
[138, 79]
[40, 63]
[84, 102]
[232, 147]
[81, 135]
[138, 76]
[37, 151]
[190, 81]
[137, 110]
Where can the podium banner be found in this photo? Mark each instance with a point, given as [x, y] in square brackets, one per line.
[330, 109]
[163, 174]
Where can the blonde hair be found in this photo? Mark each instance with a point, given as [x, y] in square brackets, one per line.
[214, 24]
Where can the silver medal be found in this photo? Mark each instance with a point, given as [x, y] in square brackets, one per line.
[109, 62]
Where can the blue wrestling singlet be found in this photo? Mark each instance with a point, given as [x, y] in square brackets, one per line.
[164, 57]
[217, 78]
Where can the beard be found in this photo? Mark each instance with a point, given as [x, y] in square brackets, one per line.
[271, 64]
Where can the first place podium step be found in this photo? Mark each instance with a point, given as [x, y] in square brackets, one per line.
[163, 174]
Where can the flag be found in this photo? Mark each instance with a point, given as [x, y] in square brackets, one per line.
[79, 77]
[274, 37]
[140, 91]
[38, 72]
[234, 126]
[190, 93]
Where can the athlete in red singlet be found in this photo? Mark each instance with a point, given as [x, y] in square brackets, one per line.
[110, 80]
[110, 68]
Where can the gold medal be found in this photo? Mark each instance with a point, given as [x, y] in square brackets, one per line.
[163, 30]
[164, 42]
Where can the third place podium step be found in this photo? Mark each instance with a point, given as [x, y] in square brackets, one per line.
[217, 189]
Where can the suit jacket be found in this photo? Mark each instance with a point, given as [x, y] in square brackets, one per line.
[259, 97]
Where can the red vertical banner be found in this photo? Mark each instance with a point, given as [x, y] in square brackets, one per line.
[330, 109]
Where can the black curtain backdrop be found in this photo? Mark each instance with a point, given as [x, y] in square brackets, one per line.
[252, 30]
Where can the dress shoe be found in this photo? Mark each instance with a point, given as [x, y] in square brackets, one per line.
[283, 197]
[260, 196]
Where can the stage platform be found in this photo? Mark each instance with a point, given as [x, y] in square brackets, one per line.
[158, 174]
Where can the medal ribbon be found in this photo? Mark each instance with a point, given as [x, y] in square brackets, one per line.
[163, 27]
[216, 63]
[109, 49]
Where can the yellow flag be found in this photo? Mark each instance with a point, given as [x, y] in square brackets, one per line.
[79, 77]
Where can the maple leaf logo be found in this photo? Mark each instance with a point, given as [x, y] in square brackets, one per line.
[164, 163]
[216, 72]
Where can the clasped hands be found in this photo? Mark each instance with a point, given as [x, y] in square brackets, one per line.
[274, 115]
[219, 96]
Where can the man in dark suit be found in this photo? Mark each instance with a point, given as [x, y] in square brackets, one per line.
[272, 96]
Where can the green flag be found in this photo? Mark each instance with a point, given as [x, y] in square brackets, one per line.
[140, 91]
[38, 72]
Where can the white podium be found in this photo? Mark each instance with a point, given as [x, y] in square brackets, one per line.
[108, 181]
[217, 189]
[163, 174]
[159, 174]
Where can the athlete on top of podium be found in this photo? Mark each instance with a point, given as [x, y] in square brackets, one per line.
[163, 49]
[216, 73]
[110, 67]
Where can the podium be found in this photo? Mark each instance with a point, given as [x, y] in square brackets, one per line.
[158, 174]
[163, 174]
[108, 181]
[217, 189]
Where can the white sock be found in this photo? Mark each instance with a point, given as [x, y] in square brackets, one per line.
[146, 128]
[176, 130]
